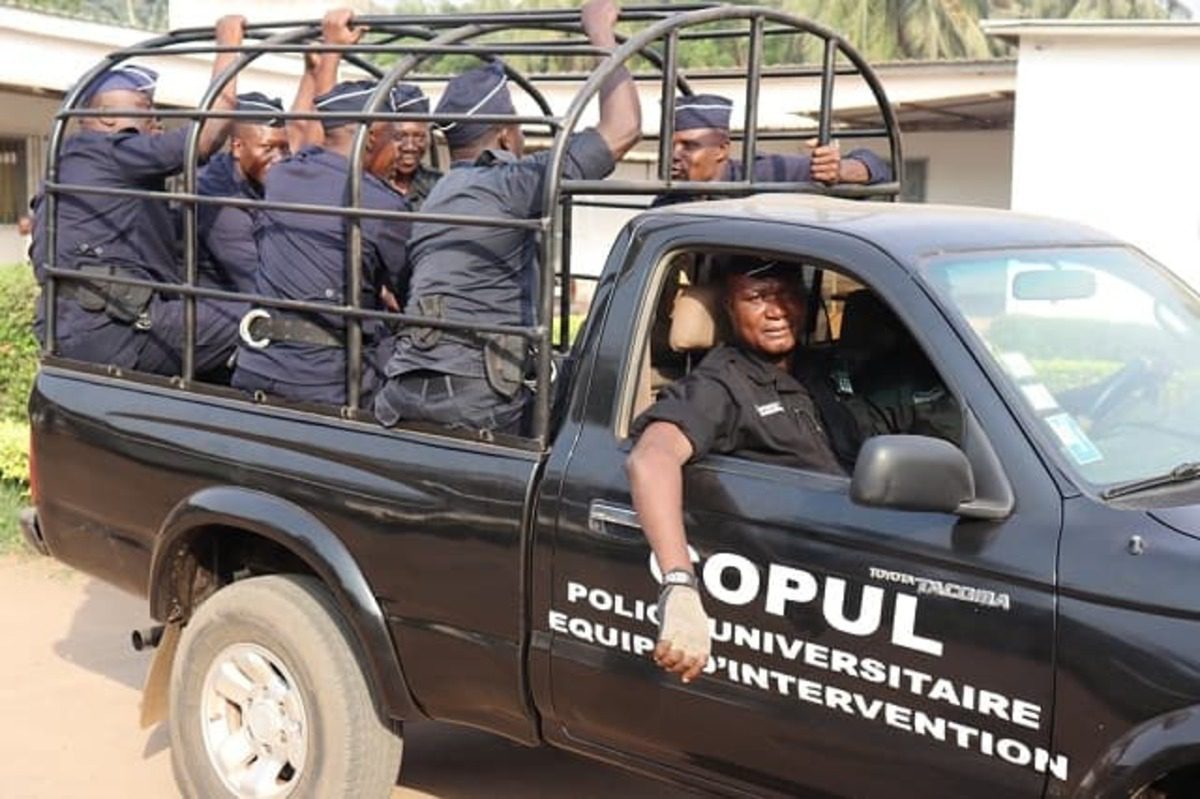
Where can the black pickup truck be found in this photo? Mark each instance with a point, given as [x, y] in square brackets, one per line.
[1026, 627]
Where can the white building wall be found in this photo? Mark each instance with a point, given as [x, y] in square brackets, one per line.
[1106, 132]
[972, 167]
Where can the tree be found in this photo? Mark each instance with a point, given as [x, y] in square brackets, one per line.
[144, 14]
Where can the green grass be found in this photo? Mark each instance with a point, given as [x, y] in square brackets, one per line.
[12, 499]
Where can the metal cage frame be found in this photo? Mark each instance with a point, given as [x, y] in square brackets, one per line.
[447, 34]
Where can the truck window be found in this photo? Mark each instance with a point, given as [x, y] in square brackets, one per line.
[856, 345]
[1099, 347]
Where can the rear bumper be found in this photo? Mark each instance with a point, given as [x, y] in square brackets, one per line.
[28, 522]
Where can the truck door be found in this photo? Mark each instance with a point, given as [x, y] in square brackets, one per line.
[857, 651]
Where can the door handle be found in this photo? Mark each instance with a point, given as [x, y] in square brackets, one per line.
[614, 522]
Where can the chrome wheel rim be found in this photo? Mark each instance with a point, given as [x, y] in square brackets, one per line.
[254, 722]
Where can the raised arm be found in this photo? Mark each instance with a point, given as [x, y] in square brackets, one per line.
[620, 108]
[320, 75]
[230, 31]
[655, 468]
[302, 133]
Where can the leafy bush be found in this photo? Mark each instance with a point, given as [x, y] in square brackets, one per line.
[12, 500]
[14, 482]
[18, 347]
[14, 453]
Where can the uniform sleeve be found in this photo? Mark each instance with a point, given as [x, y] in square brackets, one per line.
[393, 256]
[700, 406]
[229, 239]
[391, 246]
[587, 158]
[880, 171]
[146, 155]
[782, 168]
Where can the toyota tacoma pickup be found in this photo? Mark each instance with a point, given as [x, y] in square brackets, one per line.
[1010, 611]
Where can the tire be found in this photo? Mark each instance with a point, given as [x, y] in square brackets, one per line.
[270, 663]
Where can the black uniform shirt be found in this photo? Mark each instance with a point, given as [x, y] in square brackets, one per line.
[422, 183]
[736, 403]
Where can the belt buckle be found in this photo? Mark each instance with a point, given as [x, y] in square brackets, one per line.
[244, 333]
[142, 323]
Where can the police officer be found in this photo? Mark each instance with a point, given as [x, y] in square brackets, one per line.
[301, 356]
[228, 252]
[412, 178]
[881, 374]
[128, 327]
[487, 275]
[700, 152]
[753, 398]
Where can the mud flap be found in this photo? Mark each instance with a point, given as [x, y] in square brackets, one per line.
[156, 691]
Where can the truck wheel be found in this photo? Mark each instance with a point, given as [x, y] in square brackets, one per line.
[269, 700]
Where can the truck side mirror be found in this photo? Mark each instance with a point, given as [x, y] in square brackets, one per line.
[912, 473]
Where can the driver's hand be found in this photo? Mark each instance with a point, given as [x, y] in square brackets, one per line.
[683, 632]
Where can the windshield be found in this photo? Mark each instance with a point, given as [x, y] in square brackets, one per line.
[1101, 345]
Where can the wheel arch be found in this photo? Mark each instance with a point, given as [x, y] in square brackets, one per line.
[1164, 745]
[176, 587]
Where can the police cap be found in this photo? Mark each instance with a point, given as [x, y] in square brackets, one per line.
[351, 96]
[483, 90]
[759, 268]
[409, 98]
[702, 111]
[259, 102]
[130, 77]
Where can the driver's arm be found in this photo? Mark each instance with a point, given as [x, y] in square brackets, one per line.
[655, 468]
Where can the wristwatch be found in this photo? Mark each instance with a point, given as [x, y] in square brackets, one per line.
[680, 577]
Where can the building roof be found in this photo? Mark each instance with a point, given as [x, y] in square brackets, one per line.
[1014, 29]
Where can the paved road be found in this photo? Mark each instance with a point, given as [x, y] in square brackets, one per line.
[69, 690]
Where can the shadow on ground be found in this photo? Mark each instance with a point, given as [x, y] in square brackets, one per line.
[98, 638]
[440, 760]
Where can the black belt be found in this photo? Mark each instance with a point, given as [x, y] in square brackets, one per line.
[258, 329]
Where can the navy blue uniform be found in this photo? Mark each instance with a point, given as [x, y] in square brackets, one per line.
[779, 168]
[476, 274]
[228, 250]
[136, 235]
[303, 257]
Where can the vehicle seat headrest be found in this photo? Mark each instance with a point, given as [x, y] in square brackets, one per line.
[697, 320]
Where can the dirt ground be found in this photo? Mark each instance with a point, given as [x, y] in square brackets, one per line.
[69, 691]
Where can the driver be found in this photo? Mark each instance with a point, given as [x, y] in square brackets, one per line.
[754, 398]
